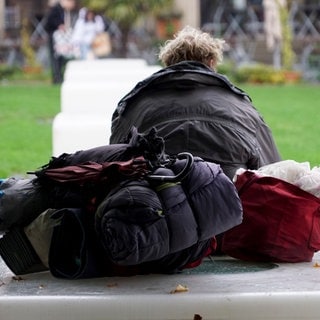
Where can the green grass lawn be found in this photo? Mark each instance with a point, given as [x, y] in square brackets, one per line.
[27, 111]
[293, 113]
[26, 114]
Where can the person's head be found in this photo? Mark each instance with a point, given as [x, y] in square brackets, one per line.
[52, 3]
[68, 4]
[90, 15]
[191, 44]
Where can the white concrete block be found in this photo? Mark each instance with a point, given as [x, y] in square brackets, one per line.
[79, 132]
[74, 65]
[95, 70]
[114, 74]
[92, 98]
[89, 95]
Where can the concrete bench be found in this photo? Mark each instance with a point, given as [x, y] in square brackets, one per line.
[286, 292]
[99, 70]
[92, 98]
[89, 95]
[79, 132]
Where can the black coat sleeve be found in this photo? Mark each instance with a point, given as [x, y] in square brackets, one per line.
[54, 19]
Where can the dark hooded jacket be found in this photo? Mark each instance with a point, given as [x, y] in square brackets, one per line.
[197, 110]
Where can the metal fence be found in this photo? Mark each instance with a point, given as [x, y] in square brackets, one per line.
[244, 31]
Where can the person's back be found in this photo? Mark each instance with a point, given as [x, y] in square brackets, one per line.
[197, 110]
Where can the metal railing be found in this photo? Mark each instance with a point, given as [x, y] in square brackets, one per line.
[243, 29]
[228, 22]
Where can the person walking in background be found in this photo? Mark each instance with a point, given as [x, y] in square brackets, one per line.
[273, 29]
[197, 109]
[61, 17]
[87, 27]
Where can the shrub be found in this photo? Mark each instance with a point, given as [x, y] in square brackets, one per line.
[7, 71]
[227, 69]
[259, 73]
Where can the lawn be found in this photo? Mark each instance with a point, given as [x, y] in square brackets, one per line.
[27, 112]
[293, 113]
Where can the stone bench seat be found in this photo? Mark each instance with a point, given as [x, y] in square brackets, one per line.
[89, 95]
[115, 74]
[74, 132]
[92, 98]
[285, 292]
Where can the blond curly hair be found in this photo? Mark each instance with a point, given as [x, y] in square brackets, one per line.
[193, 45]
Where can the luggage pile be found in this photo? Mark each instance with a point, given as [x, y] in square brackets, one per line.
[119, 209]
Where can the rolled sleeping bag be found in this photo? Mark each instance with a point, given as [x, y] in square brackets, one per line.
[213, 197]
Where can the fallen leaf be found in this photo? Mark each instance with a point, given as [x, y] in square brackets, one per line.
[180, 288]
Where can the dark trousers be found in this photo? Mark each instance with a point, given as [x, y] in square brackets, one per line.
[57, 63]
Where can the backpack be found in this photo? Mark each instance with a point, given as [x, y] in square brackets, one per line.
[281, 222]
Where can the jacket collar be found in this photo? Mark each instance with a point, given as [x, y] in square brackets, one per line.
[183, 68]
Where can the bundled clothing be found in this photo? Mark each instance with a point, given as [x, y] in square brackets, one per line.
[120, 209]
[200, 111]
[141, 220]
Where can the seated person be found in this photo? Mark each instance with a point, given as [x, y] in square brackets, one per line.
[197, 109]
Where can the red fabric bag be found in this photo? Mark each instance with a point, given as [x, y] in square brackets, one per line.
[281, 222]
